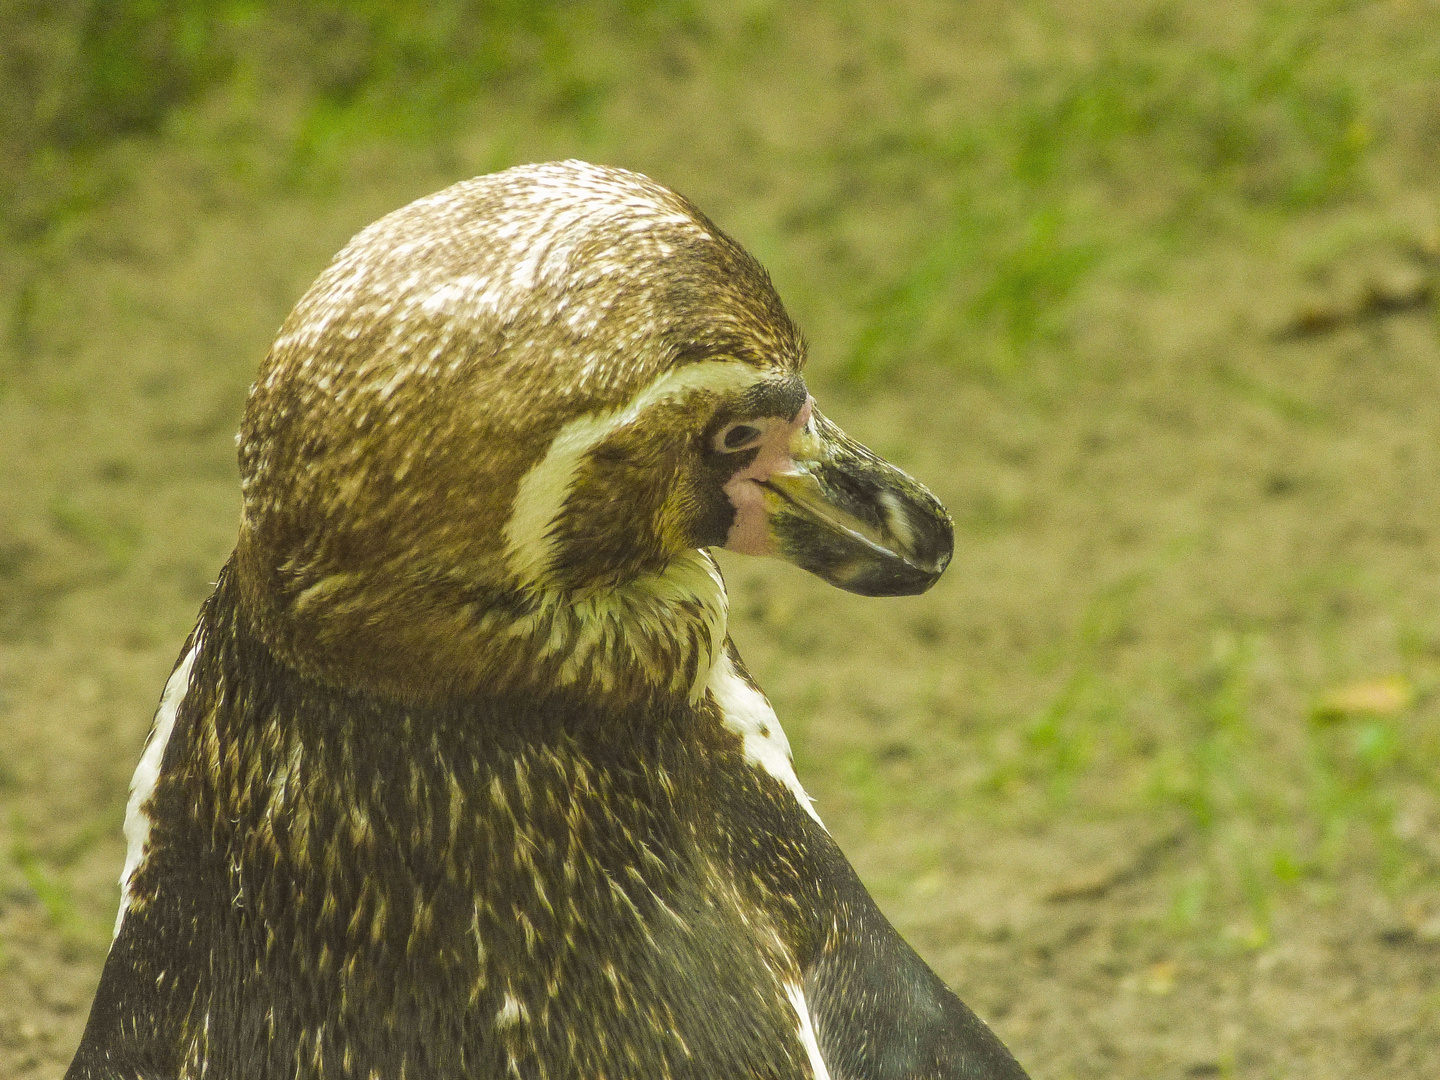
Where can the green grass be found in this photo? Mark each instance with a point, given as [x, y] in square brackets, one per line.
[115, 541]
[46, 881]
[331, 76]
[1261, 825]
[1136, 153]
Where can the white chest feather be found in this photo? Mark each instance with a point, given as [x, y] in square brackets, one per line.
[147, 775]
[796, 994]
[749, 715]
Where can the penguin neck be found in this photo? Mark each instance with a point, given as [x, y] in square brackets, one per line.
[659, 633]
[653, 638]
[496, 723]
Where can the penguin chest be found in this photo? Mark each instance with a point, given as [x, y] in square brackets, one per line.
[546, 917]
[639, 976]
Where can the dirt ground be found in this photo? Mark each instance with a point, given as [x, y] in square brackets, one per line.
[1150, 777]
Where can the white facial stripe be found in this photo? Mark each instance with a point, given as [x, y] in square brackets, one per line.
[749, 715]
[542, 491]
[147, 775]
[796, 994]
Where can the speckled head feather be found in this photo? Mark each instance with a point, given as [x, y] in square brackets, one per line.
[436, 363]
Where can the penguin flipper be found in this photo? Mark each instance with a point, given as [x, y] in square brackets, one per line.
[880, 1013]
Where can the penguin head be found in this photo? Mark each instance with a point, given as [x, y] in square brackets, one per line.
[494, 439]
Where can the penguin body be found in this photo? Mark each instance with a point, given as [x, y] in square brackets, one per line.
[458, 774]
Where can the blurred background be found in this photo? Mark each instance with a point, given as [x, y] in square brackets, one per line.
[1145, 291]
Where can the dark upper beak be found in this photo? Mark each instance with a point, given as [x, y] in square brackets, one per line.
[854, 519]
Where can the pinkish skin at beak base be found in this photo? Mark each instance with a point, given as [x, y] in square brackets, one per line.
[750, 532]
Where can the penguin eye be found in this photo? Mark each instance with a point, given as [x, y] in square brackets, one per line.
[739, 437]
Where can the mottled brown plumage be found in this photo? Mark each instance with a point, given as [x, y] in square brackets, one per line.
[459, 774]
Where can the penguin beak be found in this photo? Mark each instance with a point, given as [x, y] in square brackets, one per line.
[852, 518]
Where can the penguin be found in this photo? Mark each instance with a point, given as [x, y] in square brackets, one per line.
[459, 773]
